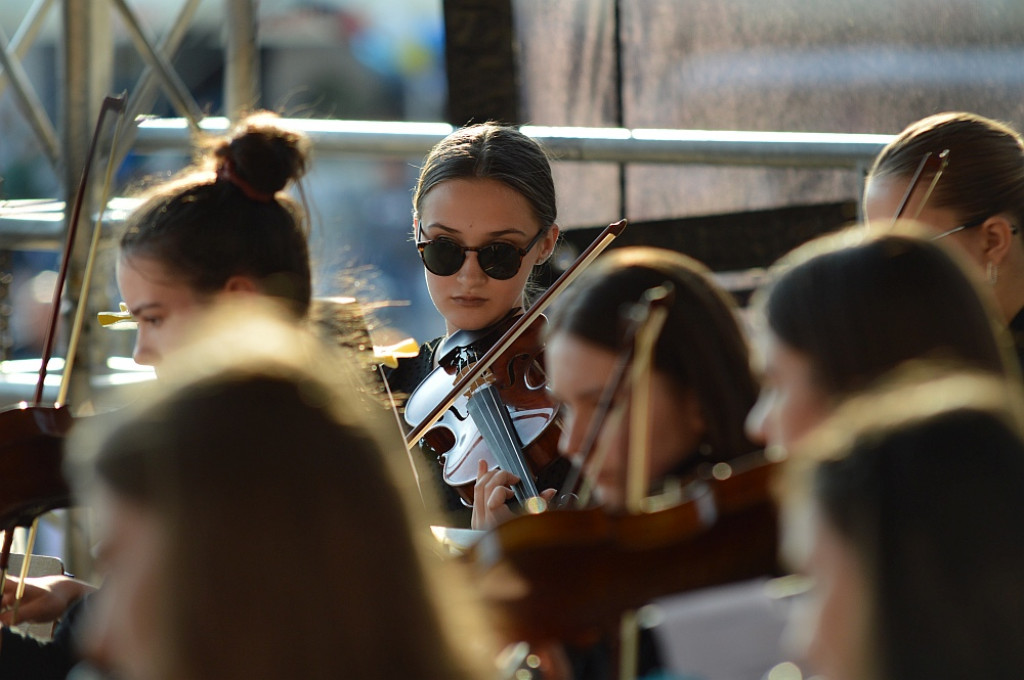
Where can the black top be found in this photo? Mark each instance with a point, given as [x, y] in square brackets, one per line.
[402, 381]
[1017, 333]
[26, 658]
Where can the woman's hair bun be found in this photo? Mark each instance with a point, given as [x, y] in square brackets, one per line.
[264, 154]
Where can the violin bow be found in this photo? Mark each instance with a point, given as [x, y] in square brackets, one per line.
[654, 307]
[638, 314]
[651, 313]
[401, 428]
[116, 104]
[471, 376]
[109, 104]
[588, 446]
[938, 165]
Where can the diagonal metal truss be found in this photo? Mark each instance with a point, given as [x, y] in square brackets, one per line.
[85, 74]
[158, 77]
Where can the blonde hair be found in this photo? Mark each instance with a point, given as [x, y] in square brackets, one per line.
[921, 479]
[257, 465]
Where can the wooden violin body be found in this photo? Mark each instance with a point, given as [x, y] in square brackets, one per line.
[31, 458]
[569, 575]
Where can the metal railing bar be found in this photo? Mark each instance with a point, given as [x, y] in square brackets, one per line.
[619, 145]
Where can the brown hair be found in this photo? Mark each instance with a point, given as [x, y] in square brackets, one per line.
[226, 216]
[985, 175]
[701, 346]
[282, 517]
[922, 479]
[858, 306]
[492, 151]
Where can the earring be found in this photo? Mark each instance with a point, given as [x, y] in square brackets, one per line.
[993, 273]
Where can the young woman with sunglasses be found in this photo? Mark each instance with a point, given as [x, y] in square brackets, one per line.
[483, 217]
[977, 205]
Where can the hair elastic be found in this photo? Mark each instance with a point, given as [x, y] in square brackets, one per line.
[226, 172]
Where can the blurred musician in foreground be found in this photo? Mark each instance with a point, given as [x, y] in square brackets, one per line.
[977, 205]
[223, 229]
[905, 512]
[252, 527]
[702, 383]
[702, 389]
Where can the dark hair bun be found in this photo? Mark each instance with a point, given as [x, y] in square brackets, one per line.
[265, 155]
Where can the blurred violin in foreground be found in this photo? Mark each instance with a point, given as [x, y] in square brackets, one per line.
[569, 575]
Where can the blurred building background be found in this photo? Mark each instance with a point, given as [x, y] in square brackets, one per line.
[844, 66]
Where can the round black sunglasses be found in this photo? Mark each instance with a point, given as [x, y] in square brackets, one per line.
[444, 257]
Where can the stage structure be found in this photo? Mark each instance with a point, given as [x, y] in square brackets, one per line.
[486, 71]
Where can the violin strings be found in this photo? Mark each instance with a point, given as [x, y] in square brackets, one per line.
[491, 416]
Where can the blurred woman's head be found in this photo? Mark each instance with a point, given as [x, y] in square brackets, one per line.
[846, 309]
[904, 510]
[702, 383]
[253, 525]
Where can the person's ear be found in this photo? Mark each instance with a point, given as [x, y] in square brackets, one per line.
[997, 236]
[241, 284]
[549, 241]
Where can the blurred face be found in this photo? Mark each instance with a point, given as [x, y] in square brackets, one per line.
[161, 303]
[122, 633]
[474, 213]
[577, 371]
[829, 626]
[882, 197]
[790, 403]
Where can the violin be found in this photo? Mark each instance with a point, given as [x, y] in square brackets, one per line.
[467, 391]
[31, 448]
[569, 575]
[578, 575]
[507, 419]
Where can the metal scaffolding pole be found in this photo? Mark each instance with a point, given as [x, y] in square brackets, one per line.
[25, 95]
[86, 73]
[241, 73]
